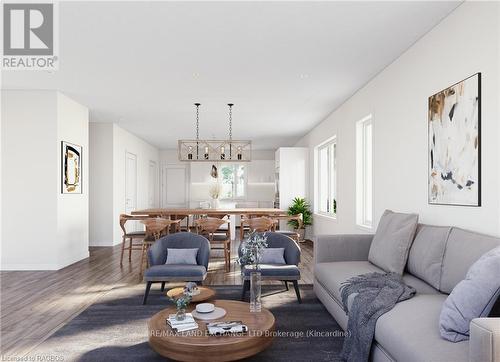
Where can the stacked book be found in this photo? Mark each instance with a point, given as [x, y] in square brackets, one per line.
[187, 324]
[223, 328]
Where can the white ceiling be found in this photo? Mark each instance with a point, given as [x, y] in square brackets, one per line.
[285, 65]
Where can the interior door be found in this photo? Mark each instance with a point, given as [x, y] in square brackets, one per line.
[153, 181]
[175, 186]
[130, 185]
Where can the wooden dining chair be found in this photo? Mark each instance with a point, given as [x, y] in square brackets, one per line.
[155, 229]
[290, 233]
[244, 227]
[210, 228]
[181, 218]
[225, 226]
[131, 236]
[261, 224]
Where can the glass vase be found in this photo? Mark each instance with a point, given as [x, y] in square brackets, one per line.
[255, 291]
[181, 314]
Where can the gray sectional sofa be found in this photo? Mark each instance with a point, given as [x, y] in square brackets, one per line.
[439, 258]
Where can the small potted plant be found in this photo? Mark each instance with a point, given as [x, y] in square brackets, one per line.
[250, 254]
[300, 206]
[181, 304]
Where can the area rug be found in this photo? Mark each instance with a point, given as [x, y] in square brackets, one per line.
[115, 328]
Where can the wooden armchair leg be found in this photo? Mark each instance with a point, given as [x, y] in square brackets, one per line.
[162, 286]
[144, 250]
[130, 250]
[123, 250]
[227, 257]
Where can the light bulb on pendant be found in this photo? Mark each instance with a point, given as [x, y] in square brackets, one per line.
[206, 153]
[222, 153]
[190, 152]
[239, 154]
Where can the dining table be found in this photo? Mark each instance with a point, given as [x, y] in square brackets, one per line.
[167, 212]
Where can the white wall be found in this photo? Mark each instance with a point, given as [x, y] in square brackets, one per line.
[41, 231]
[109, 144]
[124, 142]
[73, 209]
[464, 43]
[101, 184]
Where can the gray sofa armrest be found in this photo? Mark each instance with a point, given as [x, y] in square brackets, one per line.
[342, 247]
[484, 343]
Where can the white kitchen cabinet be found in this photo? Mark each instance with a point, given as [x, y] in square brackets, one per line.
[292, 174]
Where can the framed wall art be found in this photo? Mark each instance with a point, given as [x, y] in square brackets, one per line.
[71, 157]
[454, 151]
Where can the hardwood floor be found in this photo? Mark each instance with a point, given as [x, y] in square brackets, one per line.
[35, 304]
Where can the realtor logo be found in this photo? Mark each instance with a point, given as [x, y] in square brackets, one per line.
[29, 36]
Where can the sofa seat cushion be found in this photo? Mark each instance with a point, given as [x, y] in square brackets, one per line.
[420, 286]
[410, 332]
[189, 272]
[275, 271]
[332, 275]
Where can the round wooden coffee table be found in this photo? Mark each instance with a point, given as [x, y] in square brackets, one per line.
[205, 294]
[197, 345]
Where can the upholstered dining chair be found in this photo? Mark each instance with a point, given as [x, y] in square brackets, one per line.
[131, 236]
[211, 228]
[285, 272]
[160, 272]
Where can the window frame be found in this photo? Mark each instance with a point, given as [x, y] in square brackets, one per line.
[364, 173]
[331, 145]
[234, 167]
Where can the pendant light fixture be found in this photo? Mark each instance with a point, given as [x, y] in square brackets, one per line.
[228, 150]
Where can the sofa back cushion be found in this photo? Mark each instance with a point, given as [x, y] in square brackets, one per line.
[462, 250]
[427, 252]
[392, 241]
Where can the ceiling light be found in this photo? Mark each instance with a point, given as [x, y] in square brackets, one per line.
[228, 150]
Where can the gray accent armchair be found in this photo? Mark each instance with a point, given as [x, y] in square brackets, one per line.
[283, 272]
[159, 272]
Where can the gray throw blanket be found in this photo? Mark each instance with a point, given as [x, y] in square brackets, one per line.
[377, 294]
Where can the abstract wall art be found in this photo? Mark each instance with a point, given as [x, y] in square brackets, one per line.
[71, 161]
[454, 131]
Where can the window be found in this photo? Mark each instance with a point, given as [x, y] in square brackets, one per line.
[364, 172]
[233, 181]
[326, 176]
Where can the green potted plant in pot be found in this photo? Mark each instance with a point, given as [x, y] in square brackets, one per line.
[300, 206]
